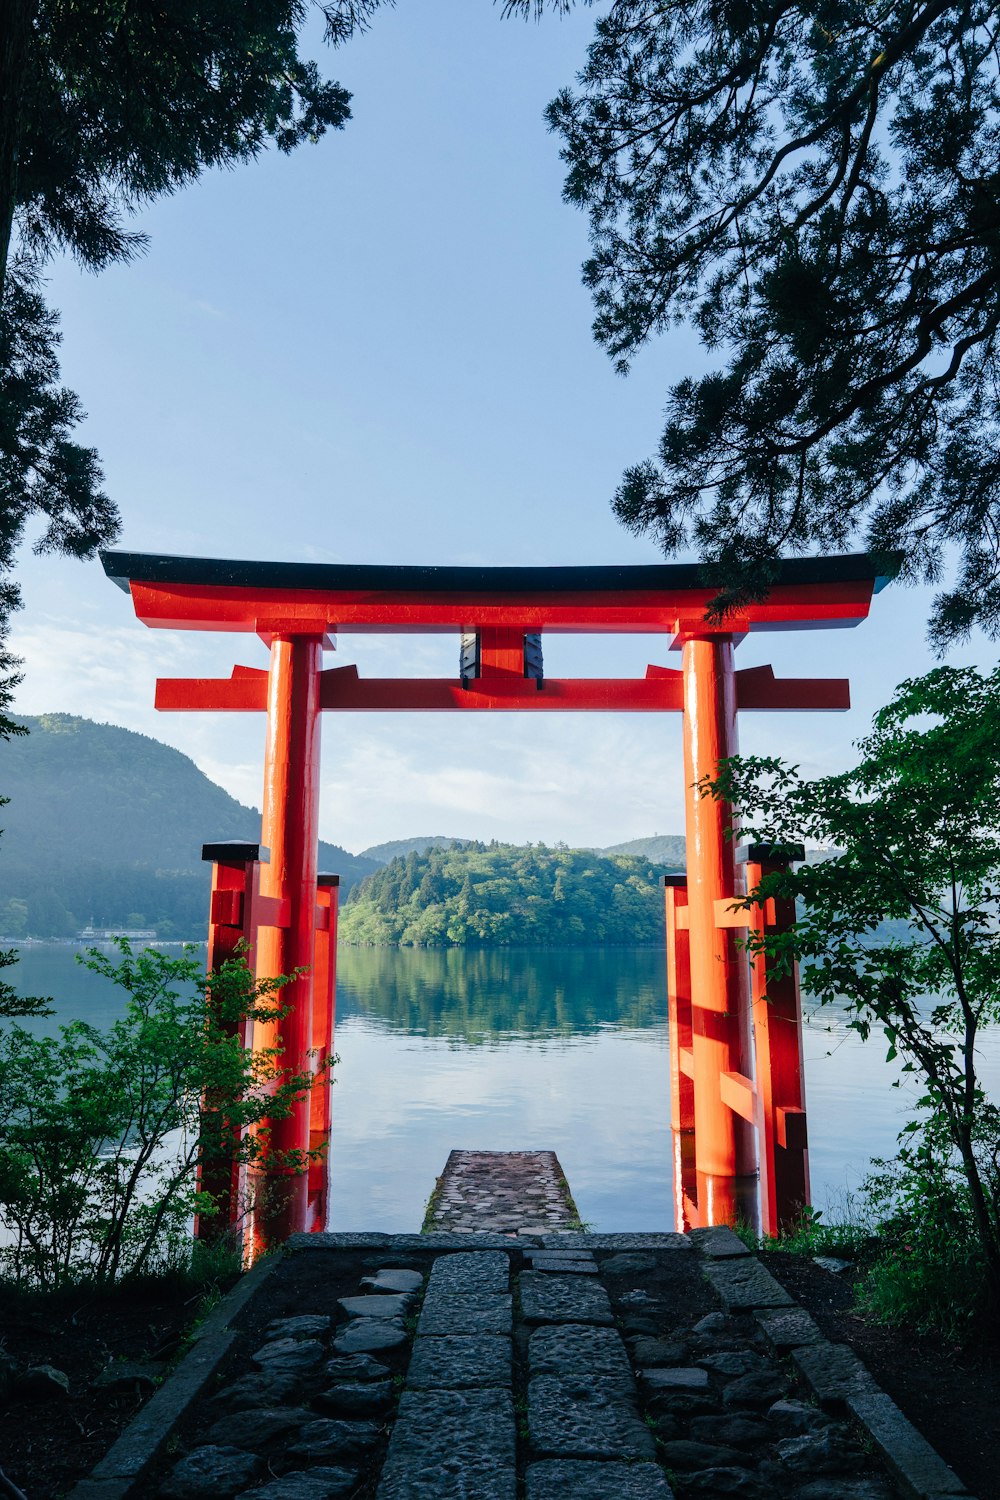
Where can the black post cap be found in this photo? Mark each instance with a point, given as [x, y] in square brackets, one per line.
[771, 854]
[327, 879]
[675, 880]
[235, 852]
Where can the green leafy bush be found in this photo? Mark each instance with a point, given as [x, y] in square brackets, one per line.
[931, 1270]
[102, 1133]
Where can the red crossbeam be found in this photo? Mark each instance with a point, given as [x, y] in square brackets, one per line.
[343, 689]
[267, 611]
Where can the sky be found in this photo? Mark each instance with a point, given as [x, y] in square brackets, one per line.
[378, 350]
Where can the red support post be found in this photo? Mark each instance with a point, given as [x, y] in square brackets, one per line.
[235, 879]
[681, 1055]
[780, 1075]
[290, 824]
[724, 1148]
[324, 1020]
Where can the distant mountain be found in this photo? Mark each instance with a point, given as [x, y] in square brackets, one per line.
[399, 848]
[105, 826]
[664, 848]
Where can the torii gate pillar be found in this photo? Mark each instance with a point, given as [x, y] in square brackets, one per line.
[291, 831]
[720, 1005]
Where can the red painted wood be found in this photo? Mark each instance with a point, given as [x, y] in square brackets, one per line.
[229, 910]
[501, 688]
[268, 611]
[291, 831]
[679, 1010]
[724, 1148]
[780, 1073]
[323, 1023]
[757, 687]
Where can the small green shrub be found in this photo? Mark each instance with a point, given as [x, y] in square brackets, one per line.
[930, 1271]
[103, 1133]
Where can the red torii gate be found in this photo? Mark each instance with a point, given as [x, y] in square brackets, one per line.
[736, 1064]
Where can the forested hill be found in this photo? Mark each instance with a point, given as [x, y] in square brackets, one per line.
[106, 826]
[498, 895]
[660, 849]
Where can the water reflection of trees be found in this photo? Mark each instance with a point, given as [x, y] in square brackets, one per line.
[481, 994]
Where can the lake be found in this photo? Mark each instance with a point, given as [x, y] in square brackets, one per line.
[561, 1050]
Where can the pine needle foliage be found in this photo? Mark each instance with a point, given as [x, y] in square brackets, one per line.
[814, 189]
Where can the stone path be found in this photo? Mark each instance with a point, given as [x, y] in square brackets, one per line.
[574, 1367]
[502, 1192]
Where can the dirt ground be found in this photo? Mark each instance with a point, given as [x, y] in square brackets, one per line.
[46, 1446]
[951, 1396]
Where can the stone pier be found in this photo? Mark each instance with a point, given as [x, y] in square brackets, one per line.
[502, 1192]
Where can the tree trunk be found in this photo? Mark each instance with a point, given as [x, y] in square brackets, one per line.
[15, 44]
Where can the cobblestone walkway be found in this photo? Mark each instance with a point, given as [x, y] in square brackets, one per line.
[502, 1192]
[577, 1367]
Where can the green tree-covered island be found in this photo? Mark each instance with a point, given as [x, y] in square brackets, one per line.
[501, 895]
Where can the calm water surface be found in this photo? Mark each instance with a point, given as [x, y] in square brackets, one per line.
[526, 1050]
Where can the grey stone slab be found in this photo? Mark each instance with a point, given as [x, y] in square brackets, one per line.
[758, 1390]
[584, 1418]
[356, 1367]
[743, 1284]
[211, 1472]
[458, 1362]
[557, 1263]
[570, 1255]
[627, 1263]
[833, 1264]
[307, 1484]
[398, 1243]
[258, 1428]
[784, 1330]
[101, 1489]
[736, 1432]
[303, 1326]
[569, 1350]
[689, 1380]
[487, 1313]
[367, 1335]
[261, 1388]
[289, 1355]
[579, 1479]
[842, 1488]
[828, 1451]
[394, 1306]
[332, 1438]
[394, 1279]
[833, 1371]
[732, 1362]
[563, 1299]
[451, 1445]
[919, 1470]
[719, 1242]
[574, 1239]
[793, 1418]
[469, 1273]
[652, 1352]
[683, 1455]
[728, 1480]
[373, 1399]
